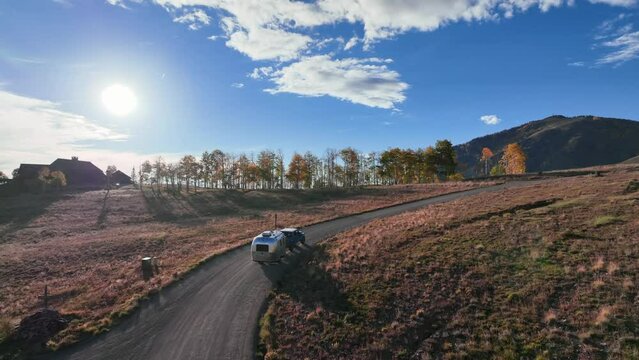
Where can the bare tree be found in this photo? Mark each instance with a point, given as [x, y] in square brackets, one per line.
[159, 169]
[189, 169]
[111, 169]
[145, 172]
[330, 159]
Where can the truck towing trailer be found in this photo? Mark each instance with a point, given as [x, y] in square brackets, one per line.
[269, 246]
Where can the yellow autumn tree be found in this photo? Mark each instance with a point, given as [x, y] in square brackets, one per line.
[486, 154]
[514, 159]
[297, 170]
[58, 179]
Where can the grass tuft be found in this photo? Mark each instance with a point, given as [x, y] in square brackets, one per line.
[566, 204]
[6, 329]
[607, 220]
[266, 341]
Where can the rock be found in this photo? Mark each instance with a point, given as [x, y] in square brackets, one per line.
[40, 327]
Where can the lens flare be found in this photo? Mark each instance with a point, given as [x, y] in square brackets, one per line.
[119, 99]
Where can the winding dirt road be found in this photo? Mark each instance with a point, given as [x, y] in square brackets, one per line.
[213, 312]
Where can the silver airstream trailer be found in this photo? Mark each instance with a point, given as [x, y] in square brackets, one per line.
[268, 246]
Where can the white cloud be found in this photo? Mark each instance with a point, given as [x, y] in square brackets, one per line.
[116, 3]
[384, 19]
[35, 130]
[268, 44]
[286, 30]
[261, 72]
[626, 3]
[490, 119]
[361, 81]
[121, 3]
[626, 48]
[380, 19]
[577, 64]
[321, 44]
[195, 19]
[351, 43]
[65, 3]
[237, 85]
[26, 60]
[619, 39]
[606, 26]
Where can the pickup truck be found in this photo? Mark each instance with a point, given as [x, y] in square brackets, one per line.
[293, 237]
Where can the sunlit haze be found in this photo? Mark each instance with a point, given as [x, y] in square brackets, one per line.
[119, 99]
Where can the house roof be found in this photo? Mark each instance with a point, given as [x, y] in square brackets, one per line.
[119, 176]
[120, 173]
[30, 170]
[71, 163]
[78, 172]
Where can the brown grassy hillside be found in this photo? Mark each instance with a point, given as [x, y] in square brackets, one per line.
[547, 271]
[87, 246]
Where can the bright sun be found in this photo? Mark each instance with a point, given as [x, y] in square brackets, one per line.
[119, 99]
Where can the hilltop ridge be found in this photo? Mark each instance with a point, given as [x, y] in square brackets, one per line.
[559, 142]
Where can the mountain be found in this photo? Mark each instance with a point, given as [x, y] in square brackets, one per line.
[633, 160]
[558, 142]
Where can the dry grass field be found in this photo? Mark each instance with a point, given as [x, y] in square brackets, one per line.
[541, 272]
[87, 246]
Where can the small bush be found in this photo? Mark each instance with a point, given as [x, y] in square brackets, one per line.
[632, 187]
[497, 170]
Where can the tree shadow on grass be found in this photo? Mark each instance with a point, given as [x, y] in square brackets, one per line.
[303, 279]
[104, 211]
[19, 210]
[162, 205]
[173, 205]
[315, 289]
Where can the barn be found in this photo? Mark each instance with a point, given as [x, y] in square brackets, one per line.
[120, 178]
[79, 173]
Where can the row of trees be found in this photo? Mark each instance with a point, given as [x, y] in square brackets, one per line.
[335, 168]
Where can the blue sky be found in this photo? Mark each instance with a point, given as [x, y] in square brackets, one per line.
[246, 75]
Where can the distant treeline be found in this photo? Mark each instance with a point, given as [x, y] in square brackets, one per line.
[335, 168]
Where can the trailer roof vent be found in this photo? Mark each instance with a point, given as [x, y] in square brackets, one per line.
[266, 234]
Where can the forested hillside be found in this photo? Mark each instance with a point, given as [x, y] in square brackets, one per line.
[558, 142]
